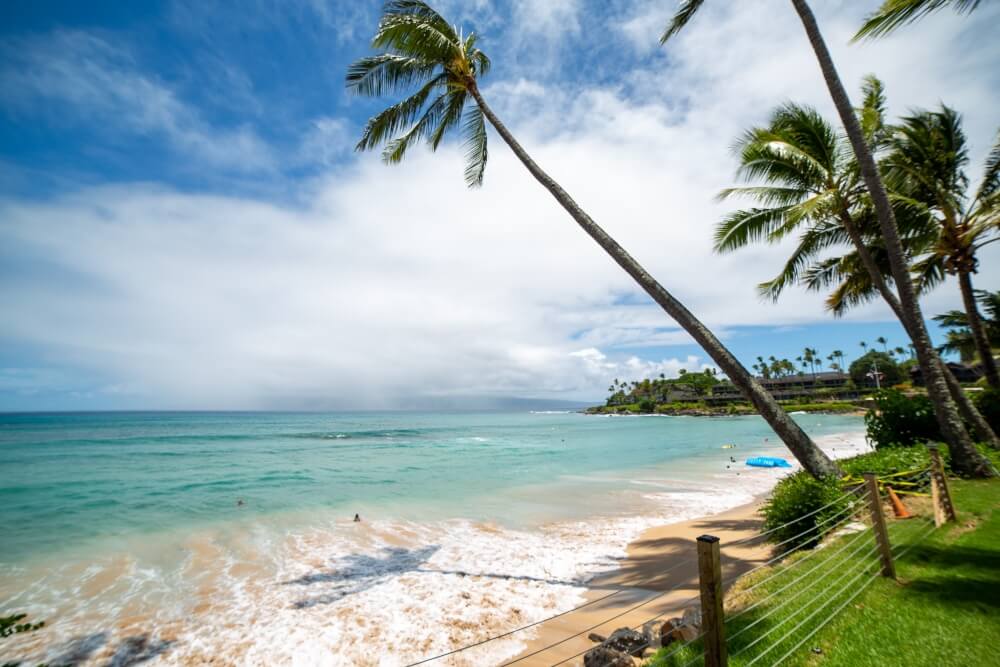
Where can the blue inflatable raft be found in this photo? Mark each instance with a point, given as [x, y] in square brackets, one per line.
[768, 462]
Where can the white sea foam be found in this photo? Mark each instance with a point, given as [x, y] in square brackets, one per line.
[332, 593]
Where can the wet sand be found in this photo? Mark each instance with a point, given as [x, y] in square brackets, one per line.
[662, 559]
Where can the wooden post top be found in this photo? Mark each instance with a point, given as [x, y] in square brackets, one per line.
[708, 538]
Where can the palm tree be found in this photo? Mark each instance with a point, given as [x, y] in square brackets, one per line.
[959, 336]
[896, 13]
[810, 182]
[881, 340]
[965, 458]
[864, 346]
[926, 166]
[418, 48]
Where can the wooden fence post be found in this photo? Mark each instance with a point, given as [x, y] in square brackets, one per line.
[878, 526]
[944, 510]
[712, 614]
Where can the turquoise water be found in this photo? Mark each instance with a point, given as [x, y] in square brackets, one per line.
[72, 480]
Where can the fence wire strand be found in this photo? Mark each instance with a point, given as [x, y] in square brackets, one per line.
[790, 618]
[830, 558]
[871, 551]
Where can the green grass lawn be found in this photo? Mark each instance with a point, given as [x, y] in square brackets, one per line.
[945, 609]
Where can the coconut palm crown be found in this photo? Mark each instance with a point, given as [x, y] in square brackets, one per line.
[418, 49]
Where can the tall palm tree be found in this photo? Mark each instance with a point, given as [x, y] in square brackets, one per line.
[926, 166]
[965, 458]
[417, 48]
[881, 340]
[896, 13]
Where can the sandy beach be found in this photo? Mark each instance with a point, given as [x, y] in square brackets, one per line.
[662, 559]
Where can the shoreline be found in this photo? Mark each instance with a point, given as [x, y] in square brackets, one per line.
[660, 567]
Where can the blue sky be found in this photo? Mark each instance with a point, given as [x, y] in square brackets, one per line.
[184, 222]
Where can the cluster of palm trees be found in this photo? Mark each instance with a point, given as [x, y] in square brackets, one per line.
[810, 358]
[893, 352]
[659, 390]
[439, 67]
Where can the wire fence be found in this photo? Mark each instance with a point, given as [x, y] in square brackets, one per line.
[778, 610]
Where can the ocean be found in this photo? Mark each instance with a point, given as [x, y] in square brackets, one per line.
[228, 538]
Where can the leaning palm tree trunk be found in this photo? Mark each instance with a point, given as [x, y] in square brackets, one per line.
[802, 447]
[965, 458]
[978, 332]
[969, 412]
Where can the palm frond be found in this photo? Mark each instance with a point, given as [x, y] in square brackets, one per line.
[767, 195]
[896, 13]
[684, 13]
[451, 116]
[741, 228]
[872, 112]
[802, 259]
[474, 132]
[375, 76]
[395, 149]
[990, 182]
[412, 27]
[385, 125]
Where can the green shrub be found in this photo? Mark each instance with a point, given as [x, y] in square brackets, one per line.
[889, 460]
[988, 404]
[647, 405]
[900, 421]
[798, 495]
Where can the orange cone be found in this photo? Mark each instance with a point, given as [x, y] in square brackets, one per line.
[897, 505]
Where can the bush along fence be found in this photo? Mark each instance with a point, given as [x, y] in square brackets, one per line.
[777, 606]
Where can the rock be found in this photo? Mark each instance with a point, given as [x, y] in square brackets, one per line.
[651, 631]
[692, 617]
[670, 631]
[628, 641]
[602, 656]
[596, 638]
[683, 629]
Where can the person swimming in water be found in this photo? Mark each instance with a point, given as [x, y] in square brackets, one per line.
[239, 502]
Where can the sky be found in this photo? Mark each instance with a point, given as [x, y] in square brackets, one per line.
[184, 223]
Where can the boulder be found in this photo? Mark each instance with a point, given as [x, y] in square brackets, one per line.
[602, 656]
[628, 641]
[596, 638]
[670, 631]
